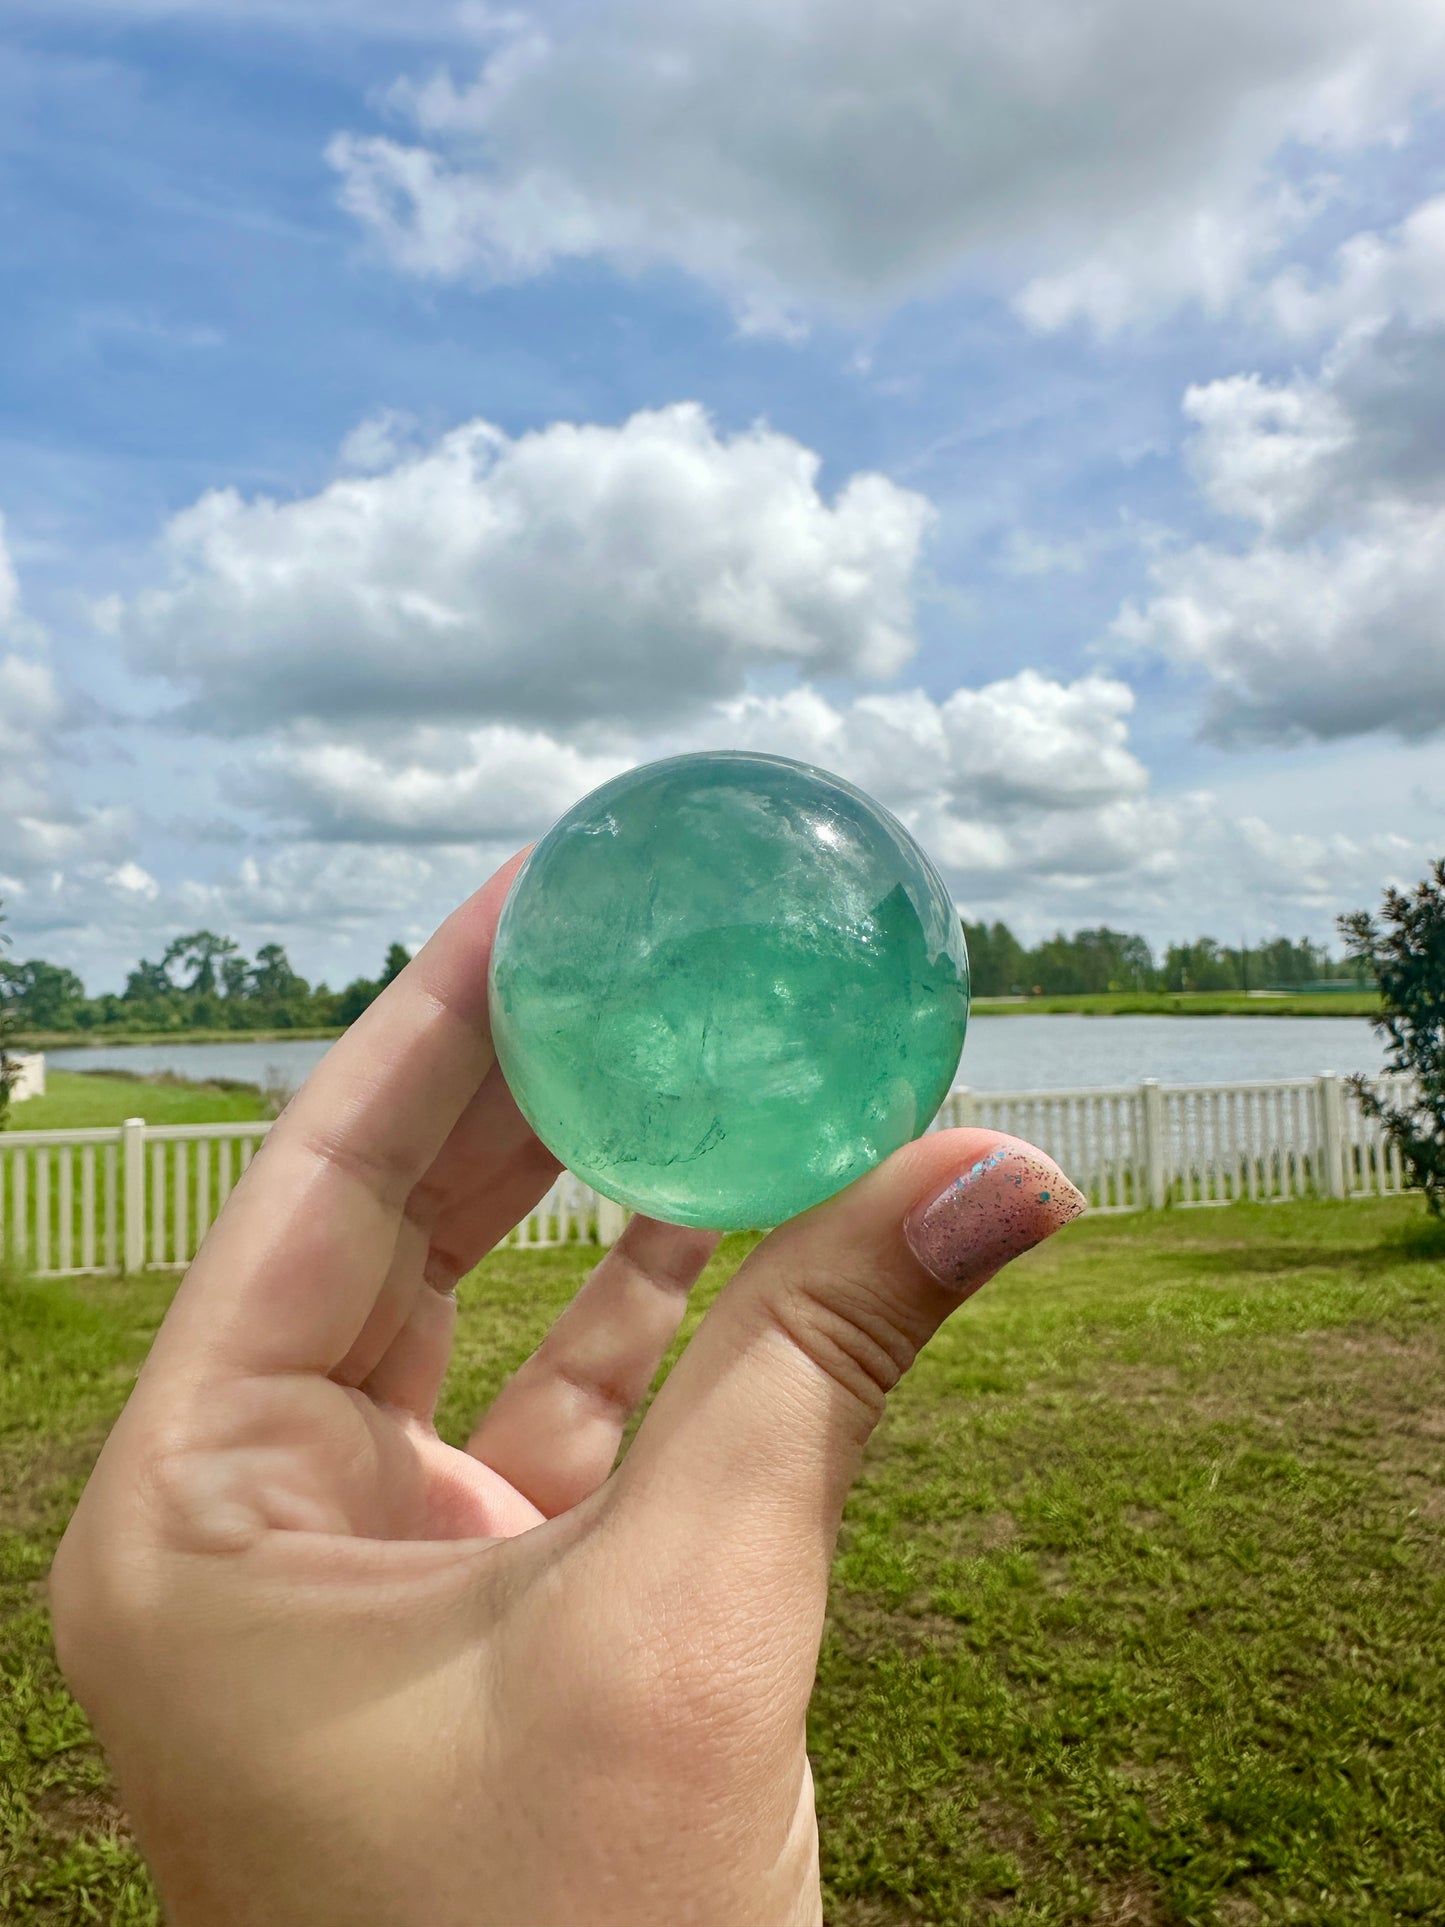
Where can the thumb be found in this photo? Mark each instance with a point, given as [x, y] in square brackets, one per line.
[754, 1440]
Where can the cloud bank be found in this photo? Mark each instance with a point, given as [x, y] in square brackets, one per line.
[578, 574]
[1332, 623]
[1105, 162]
[41, 828]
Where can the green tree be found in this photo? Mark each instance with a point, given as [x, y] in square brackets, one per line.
[235, 978]
[1054, 969]
[273, 981]
[202, 950]
[1201, 965]
[44, 995]
[1405, 950]
[279, 995]
[348, 1004]
[997, 961]
[1092, 961]
[1131, 961]
[1280, 964]
[148, 983]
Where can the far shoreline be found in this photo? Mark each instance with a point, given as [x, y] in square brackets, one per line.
[1173, 1003]
[1208, 1003]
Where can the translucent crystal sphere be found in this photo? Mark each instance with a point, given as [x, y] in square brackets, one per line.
[725, 985]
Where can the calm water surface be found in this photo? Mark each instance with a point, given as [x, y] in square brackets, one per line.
[1001, 1054]
[1057, 1053]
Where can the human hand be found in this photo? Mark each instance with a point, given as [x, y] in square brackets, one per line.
[349, 1676]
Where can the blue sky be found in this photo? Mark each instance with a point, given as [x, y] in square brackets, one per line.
[1032, 419]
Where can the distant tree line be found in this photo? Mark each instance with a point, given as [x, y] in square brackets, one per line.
[1104, 959]
[201, 981]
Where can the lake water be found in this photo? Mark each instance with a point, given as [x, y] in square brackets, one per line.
[1001, 1054]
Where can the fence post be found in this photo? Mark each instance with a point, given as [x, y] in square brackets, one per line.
[962, 1106]
[611, 1221]
[133, 1190]
[1332, 1130]
[1156, 1179]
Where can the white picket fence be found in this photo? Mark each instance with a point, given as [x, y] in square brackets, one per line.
[142, 1196]
[139, 1197]
[1144, 1146]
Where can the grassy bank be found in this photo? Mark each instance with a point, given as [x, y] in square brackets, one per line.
[80, 1100]
[1121, 1003]
[1137, 1615]
[1186, 1003]
[104, 1039]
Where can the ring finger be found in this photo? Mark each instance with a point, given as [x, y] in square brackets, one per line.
[554, 1429]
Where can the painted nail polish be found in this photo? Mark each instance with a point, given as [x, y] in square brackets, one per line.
[1012, 1199]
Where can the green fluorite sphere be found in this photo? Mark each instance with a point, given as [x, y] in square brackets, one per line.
[725, 985]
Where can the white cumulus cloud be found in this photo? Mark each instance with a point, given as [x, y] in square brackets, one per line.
[1331, 621]
[1264, 450]
[39, 825]
[30, 707]
[1107, 160]
[1328, 639]
[1026, 774]
[379, 442]
[432, 785]
[1378, 277]
[577, 574]
[1025, 791]
[132, 881]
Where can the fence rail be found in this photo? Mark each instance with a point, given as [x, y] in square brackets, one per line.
[141, 1197]
[1142, 1147]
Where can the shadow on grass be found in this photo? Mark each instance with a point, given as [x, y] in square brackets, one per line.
[1421, 1241]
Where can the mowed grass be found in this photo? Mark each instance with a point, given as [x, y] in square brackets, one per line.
[1137, 1615]
[80, 1100]
[182, 1034]
[1185, 1003]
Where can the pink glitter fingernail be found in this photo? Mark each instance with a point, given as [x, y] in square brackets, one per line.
[1000, 1207]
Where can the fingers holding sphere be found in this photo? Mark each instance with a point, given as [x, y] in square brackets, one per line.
[555, 1428]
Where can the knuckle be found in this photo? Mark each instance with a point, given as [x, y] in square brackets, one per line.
[383, 1166]
[849, 1332]
[668, 1256]
[608, 1390]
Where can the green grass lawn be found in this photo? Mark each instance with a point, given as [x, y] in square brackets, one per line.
[76, 1100]
[1185, 1003]
[1137, 1617]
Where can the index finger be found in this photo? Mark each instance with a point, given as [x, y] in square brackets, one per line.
[296, 1260]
